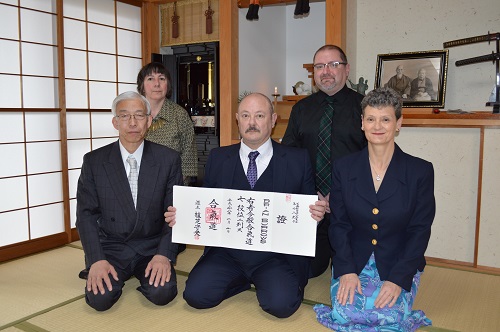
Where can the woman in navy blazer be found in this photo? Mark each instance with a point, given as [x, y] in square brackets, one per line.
[382, 203]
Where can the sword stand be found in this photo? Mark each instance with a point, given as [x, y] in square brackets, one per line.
[495, 57]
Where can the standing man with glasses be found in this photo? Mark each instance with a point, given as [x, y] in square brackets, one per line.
[328, 124]
[123, 191]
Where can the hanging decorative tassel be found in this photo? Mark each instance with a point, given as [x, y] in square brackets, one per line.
[175, 22]
[208, 13]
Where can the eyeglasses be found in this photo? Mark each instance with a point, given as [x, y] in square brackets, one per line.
[127, 116]
[331, 65]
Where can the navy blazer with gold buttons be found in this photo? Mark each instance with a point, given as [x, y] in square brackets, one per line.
[393, 223]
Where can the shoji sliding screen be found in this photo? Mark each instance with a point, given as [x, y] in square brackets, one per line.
[61, 65]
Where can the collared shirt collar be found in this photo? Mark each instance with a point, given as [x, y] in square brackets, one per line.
[264, 150]
[137, 155]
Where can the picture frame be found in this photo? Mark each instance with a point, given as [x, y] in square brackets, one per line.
[422, 81]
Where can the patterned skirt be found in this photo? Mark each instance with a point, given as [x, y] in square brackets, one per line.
[362, 314]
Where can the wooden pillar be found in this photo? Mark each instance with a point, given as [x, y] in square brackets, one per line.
[228, 69]
[335, 22]
[150, 30]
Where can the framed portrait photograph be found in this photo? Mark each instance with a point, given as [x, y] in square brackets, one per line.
[419, 77]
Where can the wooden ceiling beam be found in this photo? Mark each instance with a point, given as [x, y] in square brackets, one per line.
[245, 3]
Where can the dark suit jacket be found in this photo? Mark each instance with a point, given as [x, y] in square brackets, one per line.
[105, 211]
[292, 173]
[394, 223]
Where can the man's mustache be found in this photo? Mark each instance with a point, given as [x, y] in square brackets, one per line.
[249, 129]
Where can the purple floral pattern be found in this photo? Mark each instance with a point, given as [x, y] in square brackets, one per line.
[362, 314]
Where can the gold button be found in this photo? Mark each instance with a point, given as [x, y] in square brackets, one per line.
[374, 242]
[374, 226]
[375, 211]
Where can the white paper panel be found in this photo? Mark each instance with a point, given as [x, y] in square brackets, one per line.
[102, 125]
[76, 94]
[101, 11]
[128, 68]
[76, 150]
[128, 16]
[16, 164]
[129, 43]
[11, 2]
[74, 9]
[13, 227]
[43, 157]
[73, 176]
[102, 67]
[75, 35]
[40, 92]
[9, 22]
[42, 126]
[102, 94]
[44, 31]
[46, 220]
[45, 188]
[101, 38]
[10, 92]
[39, 59]
[97, 143]
[13, 193]
[14, 132]
[72, 213]
[126, 87]
[46, 5]
[489, 244]
[9, 57]
[78, 125]
[75, 64]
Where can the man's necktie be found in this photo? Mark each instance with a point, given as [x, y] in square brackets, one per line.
[323, 153]
[133, 177]
[252, 168]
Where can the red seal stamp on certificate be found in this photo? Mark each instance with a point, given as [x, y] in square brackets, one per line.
[213, 215]
[288, 198]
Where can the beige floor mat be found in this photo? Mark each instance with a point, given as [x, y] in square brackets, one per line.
[134, 313]
[38, 282]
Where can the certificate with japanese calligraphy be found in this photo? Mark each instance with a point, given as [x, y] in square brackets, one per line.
[249, 220]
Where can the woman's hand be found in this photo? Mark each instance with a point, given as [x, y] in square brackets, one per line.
[348, 284]
[388, 295]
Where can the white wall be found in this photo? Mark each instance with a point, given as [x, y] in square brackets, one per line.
[273, 49]
[387, 26]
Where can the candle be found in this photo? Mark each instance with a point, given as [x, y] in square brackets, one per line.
[275, 90]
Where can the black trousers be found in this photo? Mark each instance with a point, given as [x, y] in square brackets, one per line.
[324, 251]
[160, 295]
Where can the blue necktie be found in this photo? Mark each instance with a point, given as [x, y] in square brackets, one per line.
[252, 168]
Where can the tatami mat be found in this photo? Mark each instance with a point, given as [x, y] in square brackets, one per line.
[38, 282]
[42, 293]
[134, 313]
[460, 300]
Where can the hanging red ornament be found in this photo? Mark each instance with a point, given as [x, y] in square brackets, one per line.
[175, 22]
[208, 13]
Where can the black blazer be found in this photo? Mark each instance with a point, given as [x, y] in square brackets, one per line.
[105, 208]
[292, 173]
[394, 223]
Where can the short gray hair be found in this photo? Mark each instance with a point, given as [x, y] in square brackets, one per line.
[382, 97]
[131, 95]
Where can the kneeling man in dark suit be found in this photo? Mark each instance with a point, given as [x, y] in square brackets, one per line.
[123, 191]
[257, 163]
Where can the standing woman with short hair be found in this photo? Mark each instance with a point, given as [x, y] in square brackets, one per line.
[171, 125]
